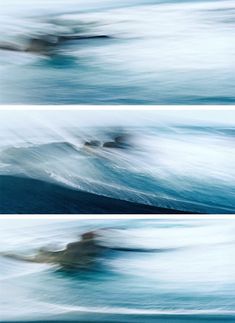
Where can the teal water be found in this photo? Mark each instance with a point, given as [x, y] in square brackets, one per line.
[185, 168]
[189, 278]
[161, 52]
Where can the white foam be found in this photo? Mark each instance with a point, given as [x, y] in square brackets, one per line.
[60, 309]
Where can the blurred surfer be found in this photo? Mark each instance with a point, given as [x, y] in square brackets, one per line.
[76, 255]
[82, 254]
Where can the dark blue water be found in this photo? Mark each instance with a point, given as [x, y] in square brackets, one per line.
[189, 277]
[161, 52]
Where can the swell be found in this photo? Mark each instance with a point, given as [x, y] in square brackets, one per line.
[30, 160]
[21, 195]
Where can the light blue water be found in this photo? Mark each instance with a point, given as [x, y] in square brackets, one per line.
[162, 52]
[195, 278]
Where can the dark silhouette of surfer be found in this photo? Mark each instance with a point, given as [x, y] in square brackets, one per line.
[92, 143]
[76, 255]
[47, 44]
[82, 254]
[120, 141]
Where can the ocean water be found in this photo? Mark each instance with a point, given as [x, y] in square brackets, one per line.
[185, 168]
[160, 52]
[186, 273]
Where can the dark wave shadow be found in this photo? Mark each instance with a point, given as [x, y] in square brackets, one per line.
[21, 195]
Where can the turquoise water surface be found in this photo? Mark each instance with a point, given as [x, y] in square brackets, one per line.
[185, 273]
[160, 52]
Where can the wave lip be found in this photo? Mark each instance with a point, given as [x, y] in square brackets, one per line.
[135, 311]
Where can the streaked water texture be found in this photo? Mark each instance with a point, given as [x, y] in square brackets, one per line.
[177, 160]
[160, 52]
[185, 273]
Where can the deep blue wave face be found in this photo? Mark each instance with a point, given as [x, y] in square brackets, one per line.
[153, 271]
[159, 52]
[188, 169]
